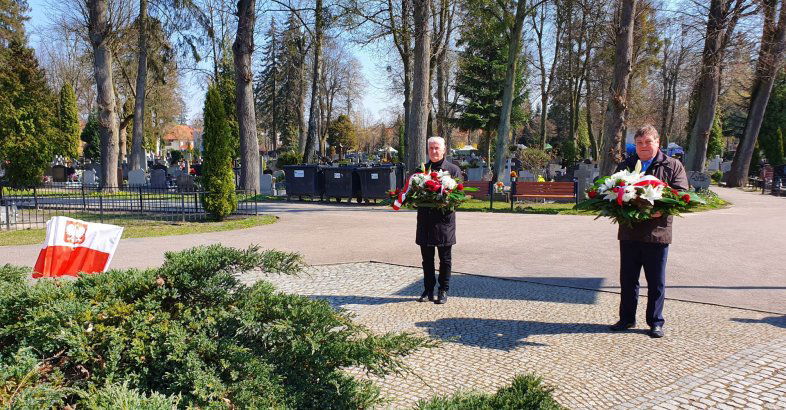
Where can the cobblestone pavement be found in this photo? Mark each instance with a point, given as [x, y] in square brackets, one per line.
[711, 357]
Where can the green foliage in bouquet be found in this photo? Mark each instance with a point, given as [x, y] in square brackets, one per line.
[187, 334]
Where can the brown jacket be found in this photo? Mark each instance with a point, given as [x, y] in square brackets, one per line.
[656, 230]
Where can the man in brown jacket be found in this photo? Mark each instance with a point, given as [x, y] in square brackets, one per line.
[646, 244]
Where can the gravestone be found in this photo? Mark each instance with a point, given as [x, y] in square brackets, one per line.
[474, 174]
[89, 178]
[266, 184]
[158, 179]
[714, 164]
[526, 176]
[725, 166]
[583, 180]
[185, 183]
[137, 178]
[174, 171]
[699, 180]
[59, 173]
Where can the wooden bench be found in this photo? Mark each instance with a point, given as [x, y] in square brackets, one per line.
[545, 190]
[482, 189]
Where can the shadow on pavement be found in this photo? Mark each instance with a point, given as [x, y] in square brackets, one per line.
[480, 287]
[777, 321]
[339, 301]
[503, 335]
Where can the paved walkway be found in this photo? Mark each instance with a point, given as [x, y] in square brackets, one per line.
[711, 357]
[731, 257]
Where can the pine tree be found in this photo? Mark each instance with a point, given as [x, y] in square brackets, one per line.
[27, 118]
[292, 64]
[481, 72]
[341, 131]
[226, 88]
[68, 123]
[774, 120]
[92, 139]
[12, 21]
[715, 143]
[267, 91]
[218, 179]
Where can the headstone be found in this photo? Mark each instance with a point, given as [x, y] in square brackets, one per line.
[583, 180]
[474, 174]
[699, 180]
[526, 176]
[158, 179]
[174, 171]
[185, 183]
[714, 164]
[89, 178]
[58, 173]
[266, 184]
[725, 166]
[136, 178]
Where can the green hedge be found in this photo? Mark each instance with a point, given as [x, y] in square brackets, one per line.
[187, 334]
[525, 393]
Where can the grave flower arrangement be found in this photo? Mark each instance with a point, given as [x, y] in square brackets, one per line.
[430, 189]
[628, 197]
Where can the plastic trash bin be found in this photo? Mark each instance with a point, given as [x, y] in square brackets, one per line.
[342, 182]
[375, 182]
[304, 180]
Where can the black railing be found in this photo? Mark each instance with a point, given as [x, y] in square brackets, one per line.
[31, 207]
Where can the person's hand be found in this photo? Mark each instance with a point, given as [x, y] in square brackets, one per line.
[657, 214]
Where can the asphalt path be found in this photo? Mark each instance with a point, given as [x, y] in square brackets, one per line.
[733, 257]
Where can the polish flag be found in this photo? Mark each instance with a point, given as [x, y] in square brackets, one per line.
[73, 246]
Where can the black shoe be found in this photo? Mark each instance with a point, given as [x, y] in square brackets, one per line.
[620, 326]
[442, 297]
[656, 332]
[426, 296]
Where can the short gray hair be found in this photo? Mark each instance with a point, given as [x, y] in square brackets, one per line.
[439, 140]
[647, 131]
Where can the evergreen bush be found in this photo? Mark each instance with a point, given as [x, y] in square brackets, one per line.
[187, 333]
[218, 179]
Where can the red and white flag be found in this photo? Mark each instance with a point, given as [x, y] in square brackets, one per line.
[73, 246]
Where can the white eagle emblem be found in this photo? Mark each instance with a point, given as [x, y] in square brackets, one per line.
[75, 232]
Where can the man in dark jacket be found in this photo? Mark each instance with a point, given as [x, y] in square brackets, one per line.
[646, 244]
[436, 230]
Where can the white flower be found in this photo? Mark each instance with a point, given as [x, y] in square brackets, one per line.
[419, 180]
[651, 193]
[448, 182]
[628, 193]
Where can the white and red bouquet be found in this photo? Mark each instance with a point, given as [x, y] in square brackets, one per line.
[430, 189]
[630, 196]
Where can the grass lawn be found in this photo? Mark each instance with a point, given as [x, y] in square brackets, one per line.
[141, 228]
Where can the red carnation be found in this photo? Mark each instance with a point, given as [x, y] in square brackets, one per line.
[686, 198]
[674, 191]
[592, 194]
[434, 175]
[460, 187]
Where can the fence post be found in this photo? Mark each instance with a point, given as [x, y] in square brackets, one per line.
[84, 201]
[35, 198]
[140, 199]
[8, 216]
[183, 205]
[512, 191]
[101, 207]
[491, 196]
[256, 212]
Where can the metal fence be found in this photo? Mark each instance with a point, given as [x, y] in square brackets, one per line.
[31, 207]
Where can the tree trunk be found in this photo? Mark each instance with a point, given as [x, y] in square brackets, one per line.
[313, 112]
[102, 68]
[771, 55]
[709, 79]
[503, 130]
[593, 141]
[419, 110]
[137, 133]
[244, 94]
[616, 111]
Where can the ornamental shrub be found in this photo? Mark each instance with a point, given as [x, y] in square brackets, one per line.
[525, 393]
[218, 179]
[188, 332]
[288, 158]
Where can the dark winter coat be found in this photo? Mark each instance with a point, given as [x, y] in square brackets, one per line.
[435, 227]
[656, 230]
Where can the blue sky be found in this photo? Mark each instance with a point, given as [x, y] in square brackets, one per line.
[375, 99]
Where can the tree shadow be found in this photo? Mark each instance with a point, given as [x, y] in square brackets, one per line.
[777, 321]
[505, 335]
[481, 287]
[342, 301]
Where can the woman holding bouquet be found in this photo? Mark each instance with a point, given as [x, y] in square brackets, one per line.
[645, 244]
[436, 230]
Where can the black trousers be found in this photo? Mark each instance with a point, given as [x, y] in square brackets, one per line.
[652, 257]
[429, 279]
